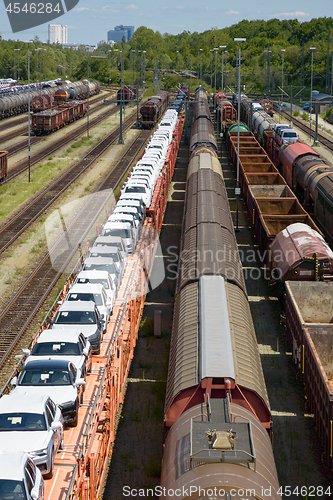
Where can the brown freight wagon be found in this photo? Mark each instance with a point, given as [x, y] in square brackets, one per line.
[267, 226]
[266, 192]
[309, 328]
[261, 178]
[3, 164]
[248, 165]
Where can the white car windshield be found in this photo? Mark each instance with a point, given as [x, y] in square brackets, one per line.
[75, 318]
[44, 377]
[55, 349]
[22, 422]
[101, 281]
[94, 297]
[9, 488]
[135, 189]
[123, 233]
[110, 268]
[112, 255]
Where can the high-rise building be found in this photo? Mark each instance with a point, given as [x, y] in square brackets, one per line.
[119, 32]
[57, 33]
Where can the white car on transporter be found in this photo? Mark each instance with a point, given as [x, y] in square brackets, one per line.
[32, 424]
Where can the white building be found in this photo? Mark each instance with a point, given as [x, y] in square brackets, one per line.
[57, 33]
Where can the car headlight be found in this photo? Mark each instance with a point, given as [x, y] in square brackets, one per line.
[66, 405]
[39, 453]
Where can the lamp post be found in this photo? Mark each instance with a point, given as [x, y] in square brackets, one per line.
[110, 52]
[268, 52]
[44, 65]
[116, 50]
[121, 140]
[137, 89]
[215, 50]
[191, 76]
[221, 133]
[144, 71]
[283, 51]
[29, 131]
[312, 49]
[131, 67]
[88, 93]
[200, 67]
[211, 68]
[37, 50]
[237, 190]
[18, 64]
[225, 67]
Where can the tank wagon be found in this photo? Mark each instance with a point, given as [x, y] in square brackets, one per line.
[309, 328]
[152, 110]
[216, 409]
[311, 177]
[3, 164]
[42, 99]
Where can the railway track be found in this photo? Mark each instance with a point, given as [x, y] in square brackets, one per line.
[20, 167]
[12, 230]
[22, 308]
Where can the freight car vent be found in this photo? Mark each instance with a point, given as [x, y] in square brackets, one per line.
[230, 440]
[221, 440]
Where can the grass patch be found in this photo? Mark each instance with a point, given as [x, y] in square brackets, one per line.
[147, 326]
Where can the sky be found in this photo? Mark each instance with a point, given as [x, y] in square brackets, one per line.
[89, 21]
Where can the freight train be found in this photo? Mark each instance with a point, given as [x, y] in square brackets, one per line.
[299, 258]
[42, 99]
[53, 119]
[217, 414]
[90, 439]
[306, 173]
[152, 110]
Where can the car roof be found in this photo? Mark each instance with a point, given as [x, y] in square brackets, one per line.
[104, 249]
[78, 305]
[98, 261]
[116, 224]
[63, 335]
[86, 287]
[26, 402]
[12, 465]
[46, 364]
[97, 273]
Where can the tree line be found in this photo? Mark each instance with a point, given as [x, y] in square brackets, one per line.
[177, 59]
